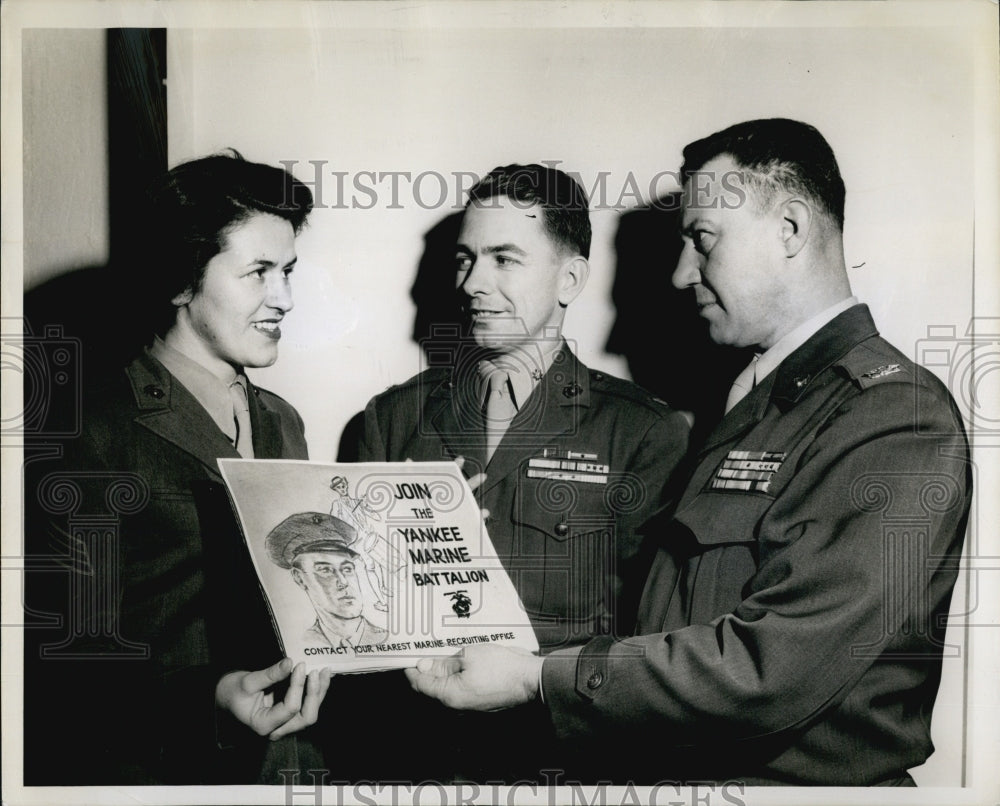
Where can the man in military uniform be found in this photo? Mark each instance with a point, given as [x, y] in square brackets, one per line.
[576, 461]
[316, 548]
[791, 628]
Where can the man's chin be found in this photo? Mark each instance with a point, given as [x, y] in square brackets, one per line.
[719, 333]
[489, 341]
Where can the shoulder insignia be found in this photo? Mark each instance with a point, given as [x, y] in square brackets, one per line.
[604, 384]
[882, 371]
[432, 377]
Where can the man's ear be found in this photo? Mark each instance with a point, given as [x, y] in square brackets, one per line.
[297, 576]
[796, 223]
[183, 298]
[575, 272]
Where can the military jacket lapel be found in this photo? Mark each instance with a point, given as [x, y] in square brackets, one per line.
[168, 410]
[266, 427]
[789, 382]
[454, 412]
[548, 414]
[747, 413]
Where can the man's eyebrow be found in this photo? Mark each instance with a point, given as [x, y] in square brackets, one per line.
[505, 247]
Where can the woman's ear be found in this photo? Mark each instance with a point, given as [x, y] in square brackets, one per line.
[183, 298]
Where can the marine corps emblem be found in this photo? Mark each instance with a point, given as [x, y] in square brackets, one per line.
[460, 603]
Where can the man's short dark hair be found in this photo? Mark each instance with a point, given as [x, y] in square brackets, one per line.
[777, 154]
[564, 203]
[192, 207]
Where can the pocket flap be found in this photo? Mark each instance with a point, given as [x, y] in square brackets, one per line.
[563, 509]
[715, 518]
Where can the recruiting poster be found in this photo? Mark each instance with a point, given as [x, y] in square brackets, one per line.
[373, 566]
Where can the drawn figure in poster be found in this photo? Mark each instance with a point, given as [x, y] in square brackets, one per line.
[317, 549]
[380, 559]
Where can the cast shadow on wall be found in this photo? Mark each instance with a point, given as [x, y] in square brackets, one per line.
[78, 328]
[437, 324]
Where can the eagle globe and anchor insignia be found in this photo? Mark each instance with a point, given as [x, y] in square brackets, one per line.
[461, 603]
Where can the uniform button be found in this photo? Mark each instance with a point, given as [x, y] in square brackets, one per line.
[153, 391]
[595, 680]
[562, 529]
[598, 376]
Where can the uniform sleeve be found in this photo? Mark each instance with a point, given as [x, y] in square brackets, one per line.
[836, 585]
[372, 446]
[655, 467]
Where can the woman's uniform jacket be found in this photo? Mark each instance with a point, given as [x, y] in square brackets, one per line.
[147, 595]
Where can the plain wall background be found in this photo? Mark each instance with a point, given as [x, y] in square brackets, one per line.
[896, 103]
[65, 151]
[623, 101]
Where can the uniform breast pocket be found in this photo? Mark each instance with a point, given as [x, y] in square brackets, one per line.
[565, 549]
[718, 518]
[562, 510]
[721, 549]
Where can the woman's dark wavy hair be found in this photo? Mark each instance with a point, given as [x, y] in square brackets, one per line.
[192, 207]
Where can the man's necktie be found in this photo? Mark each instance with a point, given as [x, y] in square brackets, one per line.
[241, 414]
[744, 382]
[500, 409]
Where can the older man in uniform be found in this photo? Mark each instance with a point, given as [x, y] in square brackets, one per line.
[576, 461]
[791, 628]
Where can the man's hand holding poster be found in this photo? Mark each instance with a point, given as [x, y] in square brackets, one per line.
[373, 566]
